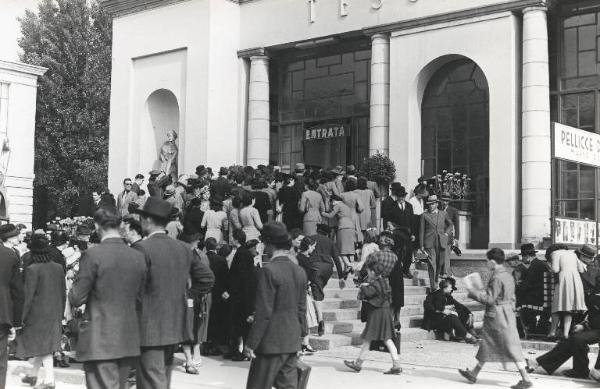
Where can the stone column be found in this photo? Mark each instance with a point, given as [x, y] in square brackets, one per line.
[536, 137]
[257, 147]
[379, 122]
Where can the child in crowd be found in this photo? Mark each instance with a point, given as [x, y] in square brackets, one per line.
[376, 293]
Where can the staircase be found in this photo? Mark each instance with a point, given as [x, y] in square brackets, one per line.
[341, 313]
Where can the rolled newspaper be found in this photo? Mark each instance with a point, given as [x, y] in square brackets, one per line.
[473, 281]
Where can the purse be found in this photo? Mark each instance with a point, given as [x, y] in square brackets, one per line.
[303, 374]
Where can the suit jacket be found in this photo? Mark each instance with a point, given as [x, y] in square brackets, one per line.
[434, 228]
[123, 201]
[164, 301]
[453, 214]
[401, 219]
[11, 288]
[280, 317]
[220, 187]
[110, 282]
[434, 306]
[531, 288]
[218, 265]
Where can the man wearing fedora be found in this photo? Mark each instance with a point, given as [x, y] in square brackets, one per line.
[397, 215]
[280, 318]
[434, 228]
[534, 292]
[110, 282]
[164, 302]
[11, 295]
[221, 186]
[126, 197]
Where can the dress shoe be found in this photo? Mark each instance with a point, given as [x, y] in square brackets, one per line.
[356, 366]
[29, 380]
[191, 369]
[321, 329]
[394, 371]
[522, 385]
[307, 349]
[468, 375]
[573, 374]
[239, 357]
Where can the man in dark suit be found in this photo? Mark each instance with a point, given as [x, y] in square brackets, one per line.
[110, 282]
[397, 215]
[221, 186]
[280, 318]
[164, 302]
[11, 296]
[217, 322]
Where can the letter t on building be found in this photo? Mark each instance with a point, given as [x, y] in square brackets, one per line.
[311, 6]
[343, 7]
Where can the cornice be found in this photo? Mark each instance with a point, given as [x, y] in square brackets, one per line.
[512, 6]
[253, 52]
[22, 68]
[119, 8]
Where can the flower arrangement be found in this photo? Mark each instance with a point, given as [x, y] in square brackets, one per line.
[456, 184]
[70, 224]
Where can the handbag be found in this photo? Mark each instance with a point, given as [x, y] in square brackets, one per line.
[379, 345]
[303, 374]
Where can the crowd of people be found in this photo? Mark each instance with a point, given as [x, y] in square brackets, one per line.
[236, 265]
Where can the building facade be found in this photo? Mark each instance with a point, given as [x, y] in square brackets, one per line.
[467, 86]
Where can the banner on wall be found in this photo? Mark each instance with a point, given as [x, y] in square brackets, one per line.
[575, 231]
[576, 145]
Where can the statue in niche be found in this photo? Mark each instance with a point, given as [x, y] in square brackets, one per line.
[167, 156]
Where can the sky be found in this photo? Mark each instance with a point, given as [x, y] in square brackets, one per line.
[10, 31]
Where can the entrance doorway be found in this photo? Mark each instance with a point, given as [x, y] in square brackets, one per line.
[455, 136]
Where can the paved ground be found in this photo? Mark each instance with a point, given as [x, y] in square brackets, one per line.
[426, 365]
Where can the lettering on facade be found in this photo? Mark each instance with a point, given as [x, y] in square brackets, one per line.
[344, 4]
[326, 132]
[312, 11]
[377, 4]
[576, 145]
[343, 7]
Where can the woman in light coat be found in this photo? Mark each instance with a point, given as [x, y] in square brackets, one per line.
[311, 206]
[215, 221]
[346, 231]
[250, 218]
[367, 198]
[500, 338]
[356, 206]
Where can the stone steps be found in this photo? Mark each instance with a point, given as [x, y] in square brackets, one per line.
[331, 341]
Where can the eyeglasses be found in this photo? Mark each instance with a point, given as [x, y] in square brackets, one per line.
[128, 184]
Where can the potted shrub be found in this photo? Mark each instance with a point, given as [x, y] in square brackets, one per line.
[380, 169]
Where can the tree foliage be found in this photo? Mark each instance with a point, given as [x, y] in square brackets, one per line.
[379, 168]
[71, 38]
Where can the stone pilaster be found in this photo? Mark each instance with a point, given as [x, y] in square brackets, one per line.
[257, 147]
[536, 137]
[379, 122]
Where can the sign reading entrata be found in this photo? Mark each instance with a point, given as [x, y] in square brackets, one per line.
[573, 231]
[325, 132]
[576, 145]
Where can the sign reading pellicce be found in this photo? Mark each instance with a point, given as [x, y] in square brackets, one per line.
[576, 145]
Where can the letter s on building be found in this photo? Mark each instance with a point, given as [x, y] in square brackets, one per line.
[377, 4]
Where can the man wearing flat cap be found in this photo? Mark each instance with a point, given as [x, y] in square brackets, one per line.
[280, 318]
[170, 264]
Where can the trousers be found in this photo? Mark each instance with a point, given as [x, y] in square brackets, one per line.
[110, 374]
[4, 333]
[577, 347]
[436, 263]
[155, 367]
[273, 370]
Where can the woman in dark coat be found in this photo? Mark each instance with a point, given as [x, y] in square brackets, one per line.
[45, 297]
[287, 203]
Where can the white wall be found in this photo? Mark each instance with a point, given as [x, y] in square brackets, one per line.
[491, 42]
[189, 48]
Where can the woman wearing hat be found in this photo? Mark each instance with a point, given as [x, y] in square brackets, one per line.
[45, 296]
[215, 221]
[346, 231]
[569, 296]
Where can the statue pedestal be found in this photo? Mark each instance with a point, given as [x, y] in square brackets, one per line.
[464, 220]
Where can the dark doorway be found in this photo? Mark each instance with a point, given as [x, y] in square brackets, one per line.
[455, 136]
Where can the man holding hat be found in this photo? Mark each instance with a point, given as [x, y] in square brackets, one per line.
[163, 317]
[11, 294]
[397, 215]
[280, 318]
[435, 227]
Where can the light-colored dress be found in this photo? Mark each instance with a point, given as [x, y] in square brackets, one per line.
[500, 338]
[215, 223]
[367, 199]
[346, 231]
[311, 205]
[568, 292]
[251, 224]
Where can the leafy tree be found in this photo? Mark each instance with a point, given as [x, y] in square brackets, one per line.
[71, 38]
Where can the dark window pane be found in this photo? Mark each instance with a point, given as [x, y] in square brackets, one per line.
[569, 59]
[587, 38]
[587, 110]
[587, 210]
[587, 63]
[580, 20]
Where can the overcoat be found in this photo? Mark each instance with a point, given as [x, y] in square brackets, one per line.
[500, 338]
[109, 282]
[45, 297]
[11, 287]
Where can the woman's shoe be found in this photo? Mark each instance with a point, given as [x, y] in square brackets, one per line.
[191, 369]
[307, 349]
[63, 364]
[321, 329]
[471, 340]
[394, 371]
[468, 375]
[522, 385]
[357, 367]
[239, 357]
[29, 380]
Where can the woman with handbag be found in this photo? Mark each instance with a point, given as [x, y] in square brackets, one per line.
[346, 231]
[376, 294]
